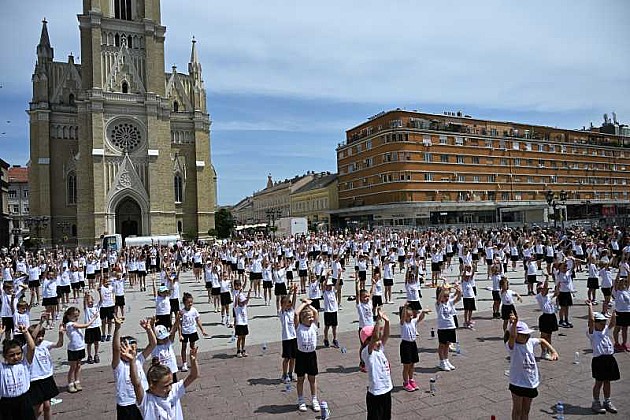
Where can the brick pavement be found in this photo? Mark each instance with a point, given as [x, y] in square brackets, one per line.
[250, 387]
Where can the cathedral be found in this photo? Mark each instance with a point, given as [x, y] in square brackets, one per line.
[116, 144]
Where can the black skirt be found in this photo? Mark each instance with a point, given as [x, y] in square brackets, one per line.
[548, 323]
[605, 368]
[17, 408]
[408, 352]
[43, 390]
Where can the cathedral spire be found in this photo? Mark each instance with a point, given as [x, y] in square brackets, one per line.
[194, 66]
[44, 50]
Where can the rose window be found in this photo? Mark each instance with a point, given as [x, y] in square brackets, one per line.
[125, 136]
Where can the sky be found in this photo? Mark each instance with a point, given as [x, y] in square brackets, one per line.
[286, 79]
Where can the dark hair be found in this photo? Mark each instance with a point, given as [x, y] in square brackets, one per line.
[157, 372]
[8, 345]
[186, 296]
[69, 311]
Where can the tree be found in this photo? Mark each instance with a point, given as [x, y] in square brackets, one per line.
[224, 223]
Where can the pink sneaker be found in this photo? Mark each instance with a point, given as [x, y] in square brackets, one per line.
[414, 385]
[408, 387]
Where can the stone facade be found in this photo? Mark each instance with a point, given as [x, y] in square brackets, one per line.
[18, 204]
[315, 200]
[117, 144]
[276, 198]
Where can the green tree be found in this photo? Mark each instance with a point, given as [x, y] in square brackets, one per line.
[224, 223]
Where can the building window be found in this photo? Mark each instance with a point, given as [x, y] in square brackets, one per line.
[15, 208]
[428, 157]
[505, 196]
[443, 140]
[175, 106]
[475, 160]
[504, 162]
[444, 158]
[492, 178]
[489, 144]
[516, 145]
[541, 147]
[180, 226]
[460, 159]
[461, 178]
[395, 123]
[71, 188]
[475, 178]
[122, 9]
[179, 188]
[528, 147]
[428, 176]
[541, 163]
[12, 194]
[459, 141]
[517, 162]
[125, 87]
[25, 193]
[368, 144]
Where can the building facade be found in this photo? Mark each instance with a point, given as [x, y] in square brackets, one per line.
[18, 204]
[274, 201]
[118, 145]
[411, 168]
[315, 200]
[4, 204]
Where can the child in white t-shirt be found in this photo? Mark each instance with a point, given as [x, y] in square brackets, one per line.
[93, 331]
[330, 313]
[241, 328]
[379, 392]
[190, 321]
[76, 346]
[289, 338]
[118, 284]
[306, 357]
[164, 351]
[15, 378]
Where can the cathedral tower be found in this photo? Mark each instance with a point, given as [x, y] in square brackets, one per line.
[117, 144]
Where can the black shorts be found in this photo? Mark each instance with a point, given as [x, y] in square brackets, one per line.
[267, 284]
[436, 266]
[17, 408]
[215, 291]
[289, 348]
[622, 319]
[90, 276]
[475, 257]
[519, 391]
[377, 301]
[315, 304]
[164, 320]
[190, 338]
[61, 290]
[414, 304]
[75, 286]
[107, 313]
[76, 355]
[362, 275]
[592, 283]
[7, 323]
[174, 305]
[92, 335]
[447, 336]
[240, 271]
[488, 262]
[469, 304]
[233, 266]
[401, 258]
[330, 319]
[241, 330]
[496, 296]
[280, 289]
[289, 275]
[565, 299]
[607, 291]
[33, 283]
[506, 310]
[255, 276]
[50, 301]
[605, 368]
[197, 265]
[226, 298]
[388, 282]
[334, 281]
[379, 407]
[302, 273]
[119, 300]
[547, 323]
[531, 278]
[549, 260]
[43, 390]
[128, 412]
[306, 363]
[540, 257]
[408, 352]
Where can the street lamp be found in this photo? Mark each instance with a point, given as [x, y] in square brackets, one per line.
[272, 215]
[63, 226]
[551, 201]
[37, 223]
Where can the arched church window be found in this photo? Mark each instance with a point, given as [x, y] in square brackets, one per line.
[71, 99]
[175, 106]
[125, 87]
[122, 9]
[117, 40]
[129, 42]
[71, 188]
[179, 188]
[74, 230]
[179, 226]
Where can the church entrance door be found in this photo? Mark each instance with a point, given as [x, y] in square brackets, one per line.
[128, 218]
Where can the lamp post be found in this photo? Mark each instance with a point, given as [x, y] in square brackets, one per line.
[551, 201]
[37, 223]
[563, 200]
[63, 226]
[272, 215]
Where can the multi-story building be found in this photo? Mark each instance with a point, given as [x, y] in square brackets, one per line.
[274, 201]
[18, 204]
[4, 204]
[118, 145]
[411, 168]
[315, 200]
[243, 211]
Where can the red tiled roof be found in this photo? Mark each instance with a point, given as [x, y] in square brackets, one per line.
[18, 174]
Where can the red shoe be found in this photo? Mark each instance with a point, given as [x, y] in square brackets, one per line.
[414, 385]
[627, 346]
[619, 348]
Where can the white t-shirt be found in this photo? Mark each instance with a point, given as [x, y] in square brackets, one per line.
[523, 367]
[125, 394]
[107, 296]
[409, 330]
[622, 300]
[412, 291]
[545, 303]
[165, 354]
[75, 337]
[379, 374]
[507, 298]
[153, 407]
[330, 301]
[42, 366]
[15, 380]
[287, 323]
[49, 288]
[189, 320]
[445, 312]
[162, 305]
[600, 342]
[306, 337]
[366, 316]
[89, 313]
[314, 291]
[118, 286]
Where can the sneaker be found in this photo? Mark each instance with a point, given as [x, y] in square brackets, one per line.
[335, 344]
[102, 338]
[326, 343]
[608, 406]
[449, 364]
[108, 338]
[408, 387]
[547, 356]
[71, 388]
[452, 348]
[286, 379]
[363, 369]
[238, 353]
[443, 366]
[244, 353]
[302, 406]
[97, 359]
[596, 407]
[619, 348]
[594, 302]
[90, 360]
[184, 367]
[316, 406]
[414, 385]
[568, 325]
[77, 386]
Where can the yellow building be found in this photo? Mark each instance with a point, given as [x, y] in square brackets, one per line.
[411, 168]
[117, 144]
[315, 200]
